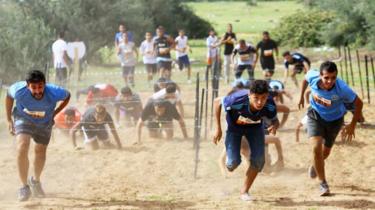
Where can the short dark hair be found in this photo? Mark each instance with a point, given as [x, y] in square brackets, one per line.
[70, 111]
[35, 76]
[242, 41]
[286, 53]
[161, 28]
[94, 90]
[259, 87]
[328, 66]
[266, 33]
[126, 91]
[171, 87]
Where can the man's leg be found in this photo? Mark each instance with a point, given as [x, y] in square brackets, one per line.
[238, 72]
[168, 129]
[318, 157]
[23, 144]
[221, 162]
[227, 62]
[39, 161]
[233, 149]
[250, 72]
[285, 110]
[276, 141]
[293, 77]
[255, 138]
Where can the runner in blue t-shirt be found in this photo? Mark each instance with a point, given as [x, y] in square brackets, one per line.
[33, 118]
[244, 112]
[300, 64]
[326, 115]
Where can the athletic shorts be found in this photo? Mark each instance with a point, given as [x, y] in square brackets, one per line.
[183, 61]
[41, 133]
[92, 133]
[127, 70]
[151, 68]
[167, 65]
[298, 68]
[317, 126]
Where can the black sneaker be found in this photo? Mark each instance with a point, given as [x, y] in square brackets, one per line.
[24, 193]
[324, 189]
[36, 188]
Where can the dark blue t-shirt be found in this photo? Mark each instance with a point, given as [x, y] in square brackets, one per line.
[239, 117]
[298, 59]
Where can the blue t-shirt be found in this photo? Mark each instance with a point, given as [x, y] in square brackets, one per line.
[25, 102]
[239, 116]
[118, 37]
[297, 59]
[329, 103]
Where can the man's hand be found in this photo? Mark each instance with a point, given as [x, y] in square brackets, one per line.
[301, 103]
[217, 136]
[272, 129]
[11, 127]
[348, 133]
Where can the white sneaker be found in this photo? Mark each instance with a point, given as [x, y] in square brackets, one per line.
[246, 197]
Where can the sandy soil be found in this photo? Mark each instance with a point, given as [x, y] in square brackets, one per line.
[159, 173]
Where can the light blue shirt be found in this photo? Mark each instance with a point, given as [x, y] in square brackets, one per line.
[25, 102]
[334, 99]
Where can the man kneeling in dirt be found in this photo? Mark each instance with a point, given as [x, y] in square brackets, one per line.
[93, 126]
[159, 115]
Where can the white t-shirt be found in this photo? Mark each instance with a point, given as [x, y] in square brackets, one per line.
[161, 94]
[181, 44]
[127, 56]
[149, 57]
[58, 49]
[211, 51]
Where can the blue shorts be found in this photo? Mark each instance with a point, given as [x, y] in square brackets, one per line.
[41, 133]
[183, 61]
[255, 137]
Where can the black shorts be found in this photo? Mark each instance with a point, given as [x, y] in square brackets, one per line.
[298, 68]
[151, 68]
[267, 64]
[98, 132]
[41, 133]
[183, 61]
[317, 126]
[127, 70]
[166, 65]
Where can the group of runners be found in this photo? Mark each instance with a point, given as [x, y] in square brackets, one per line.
[251, 106]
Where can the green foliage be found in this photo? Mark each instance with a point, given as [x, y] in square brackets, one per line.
[302, 29]
[24, 43]
[353, 24]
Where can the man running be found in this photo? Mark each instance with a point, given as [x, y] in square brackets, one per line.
[326, 115]
[149, 57]
[121, 30]
[246, 59]
[33, 118]
[182, 49]
[93, 126]
[130, 104]
[163, 46]
[159, 115]
[300, 64]
[244, 112]
[128, 56]
[228, 39]
[267, 48]
[60, 59]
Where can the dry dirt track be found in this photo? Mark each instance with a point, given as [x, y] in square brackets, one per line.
[159, 174]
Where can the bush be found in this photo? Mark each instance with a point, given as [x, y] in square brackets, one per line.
[302, 29]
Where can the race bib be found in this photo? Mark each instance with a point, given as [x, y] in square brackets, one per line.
[245, 57]
[246, 121]
[322, 101]
[268, 53]
[34, 113]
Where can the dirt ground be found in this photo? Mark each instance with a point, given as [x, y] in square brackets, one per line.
[159, 173]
